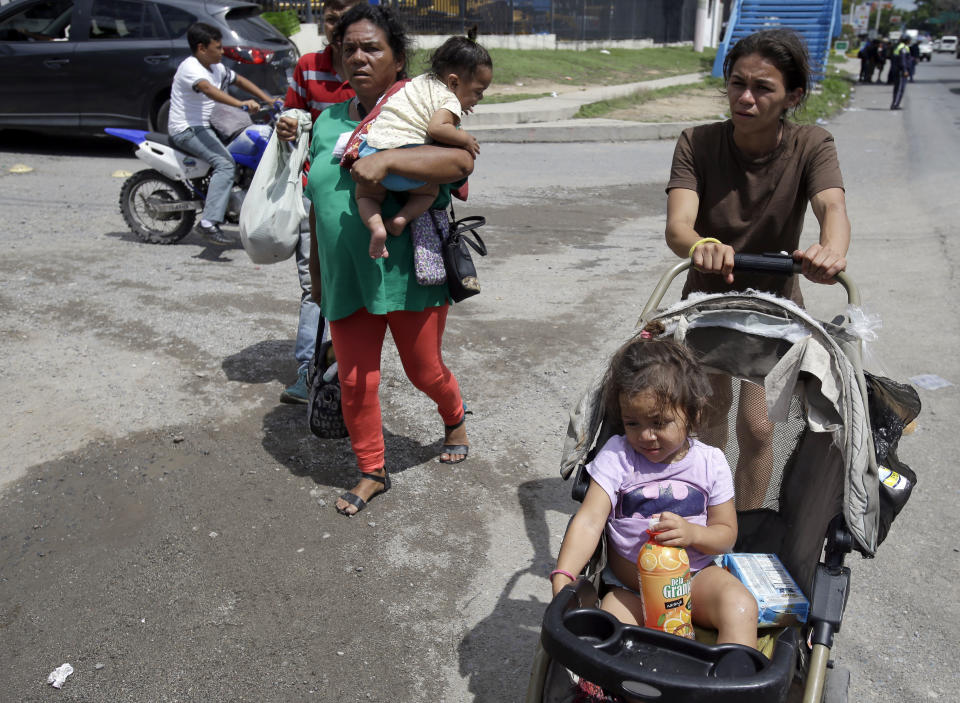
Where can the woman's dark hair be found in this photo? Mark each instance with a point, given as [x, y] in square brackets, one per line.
[784, 49]
[460, 55]
[667, 369]
[201, 34]
[386, 19]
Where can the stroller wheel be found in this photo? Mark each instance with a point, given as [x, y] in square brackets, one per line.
[837, 684]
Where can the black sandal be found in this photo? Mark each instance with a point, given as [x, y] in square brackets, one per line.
[358, 502]
[455, 448]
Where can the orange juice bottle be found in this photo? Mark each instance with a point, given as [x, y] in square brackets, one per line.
[665, 587]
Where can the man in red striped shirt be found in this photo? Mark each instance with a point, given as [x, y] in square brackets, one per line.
[316, 85]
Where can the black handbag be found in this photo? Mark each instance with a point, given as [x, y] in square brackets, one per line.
[324, 413]
[462, 278]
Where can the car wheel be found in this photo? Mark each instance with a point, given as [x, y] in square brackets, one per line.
[163, 116]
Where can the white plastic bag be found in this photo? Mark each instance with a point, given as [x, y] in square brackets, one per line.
[273, 207]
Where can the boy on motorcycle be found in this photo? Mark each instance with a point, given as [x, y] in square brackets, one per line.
[198, 83]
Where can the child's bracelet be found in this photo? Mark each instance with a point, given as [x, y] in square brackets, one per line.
[705, 240]
[561, 571]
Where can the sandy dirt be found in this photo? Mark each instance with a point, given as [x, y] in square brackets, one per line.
[697, 104]
[690, 106]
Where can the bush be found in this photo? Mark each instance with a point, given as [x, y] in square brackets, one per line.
[286, 21]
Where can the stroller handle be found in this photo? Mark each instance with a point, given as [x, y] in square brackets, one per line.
[753, 263]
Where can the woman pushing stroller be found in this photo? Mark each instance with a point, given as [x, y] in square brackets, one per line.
[742, 186]
[658, 476]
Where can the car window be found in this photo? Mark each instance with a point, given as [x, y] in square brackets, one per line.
[249, 26]
[177, 20]
[122, 19]
[47, 20]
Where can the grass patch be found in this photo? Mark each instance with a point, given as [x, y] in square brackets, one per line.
[587, 68]
[605, 107]
[834, 95]
[831, 98]
[511, 98]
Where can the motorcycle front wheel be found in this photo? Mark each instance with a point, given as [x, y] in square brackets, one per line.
[139, 197]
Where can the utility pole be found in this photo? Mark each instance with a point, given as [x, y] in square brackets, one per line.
[702, 26]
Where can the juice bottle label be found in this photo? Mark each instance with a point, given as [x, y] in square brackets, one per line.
[665, 588]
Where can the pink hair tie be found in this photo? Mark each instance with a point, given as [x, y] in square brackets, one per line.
[561, 571]
[646, 334]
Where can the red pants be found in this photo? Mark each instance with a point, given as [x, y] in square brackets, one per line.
[358, 341]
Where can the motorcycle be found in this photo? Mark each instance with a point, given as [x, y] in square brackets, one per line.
[160, 204]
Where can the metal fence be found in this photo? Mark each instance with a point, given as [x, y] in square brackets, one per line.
[570, 20]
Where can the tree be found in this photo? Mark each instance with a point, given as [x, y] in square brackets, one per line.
[939, 16]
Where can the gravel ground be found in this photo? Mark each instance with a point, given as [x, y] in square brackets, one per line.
[168, 527]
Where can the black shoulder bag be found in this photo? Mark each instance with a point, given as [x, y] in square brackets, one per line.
[462, 278]
[324, 413]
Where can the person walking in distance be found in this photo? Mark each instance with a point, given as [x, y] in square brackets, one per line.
[882, 53]
[316, 85]
[914, 58]
[900, 70]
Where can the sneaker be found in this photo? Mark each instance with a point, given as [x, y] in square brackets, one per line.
[296, 392]
[213, 234]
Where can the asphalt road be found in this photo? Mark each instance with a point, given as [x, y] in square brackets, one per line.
[168, 528]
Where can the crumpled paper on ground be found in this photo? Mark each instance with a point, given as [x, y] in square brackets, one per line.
[59, 675]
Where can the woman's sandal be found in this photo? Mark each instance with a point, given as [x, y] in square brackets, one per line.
[358, 502]
[455, 448]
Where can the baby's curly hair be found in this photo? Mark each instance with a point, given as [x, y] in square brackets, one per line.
[668, 369]
[461, 55]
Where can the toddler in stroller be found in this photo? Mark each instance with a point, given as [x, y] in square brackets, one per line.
[822, 499]
[656, 476]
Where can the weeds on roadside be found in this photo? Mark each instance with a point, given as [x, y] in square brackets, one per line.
[829, 98]
[833, 95]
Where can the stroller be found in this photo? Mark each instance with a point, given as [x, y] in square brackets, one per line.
[832, 426]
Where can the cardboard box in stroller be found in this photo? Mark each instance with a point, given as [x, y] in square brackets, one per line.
[779, 598]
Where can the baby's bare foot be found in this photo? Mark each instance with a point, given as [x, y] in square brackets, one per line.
[378, 244]
[396, 225]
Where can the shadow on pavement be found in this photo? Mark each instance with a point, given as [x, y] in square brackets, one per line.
[497, 654]
[208, 252]
[264, 362]
[19, 141]
[331, 462]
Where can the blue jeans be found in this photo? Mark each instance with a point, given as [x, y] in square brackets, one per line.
[310, 315]
[204, 143]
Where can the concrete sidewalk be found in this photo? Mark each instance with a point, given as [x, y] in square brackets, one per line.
[550, 119]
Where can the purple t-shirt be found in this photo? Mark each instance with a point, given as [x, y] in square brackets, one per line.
[639, 488]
